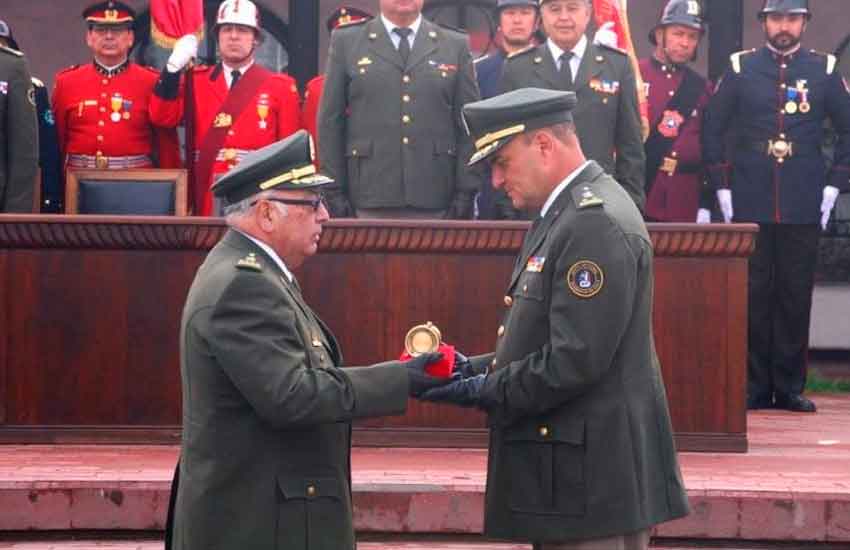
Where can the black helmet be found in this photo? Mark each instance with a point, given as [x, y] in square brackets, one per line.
[6, 32]
[786, 6]
[687, 13]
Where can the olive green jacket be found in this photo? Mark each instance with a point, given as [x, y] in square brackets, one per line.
[581, 444]
[18, 134]
[266, 412]
[391, 134]
[607, 117]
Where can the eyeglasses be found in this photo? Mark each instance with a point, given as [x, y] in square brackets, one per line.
[314, 203]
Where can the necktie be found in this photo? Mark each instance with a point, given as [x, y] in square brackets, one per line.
[404, 43]
[566, 70]
[235, 75]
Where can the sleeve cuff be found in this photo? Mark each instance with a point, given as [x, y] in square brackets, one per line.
[168, 85]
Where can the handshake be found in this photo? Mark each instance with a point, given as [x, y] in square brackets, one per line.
[461, 388]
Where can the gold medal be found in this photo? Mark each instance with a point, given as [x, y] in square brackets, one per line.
[805, 107]
[790, 107]
[115, 117]
[422, 339]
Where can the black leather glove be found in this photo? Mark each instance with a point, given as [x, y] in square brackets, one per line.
[419, 380]
[338, 205]
[464, 367]
[463, 392]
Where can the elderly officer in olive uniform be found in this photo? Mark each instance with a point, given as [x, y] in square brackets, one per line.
[390, 129]
[581, 446]
[777, 98]
[607, 116]
[266, 407]
[18, 132]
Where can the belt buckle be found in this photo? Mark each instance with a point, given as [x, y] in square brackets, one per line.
[669, 165]
[779, 149]
[100, 161]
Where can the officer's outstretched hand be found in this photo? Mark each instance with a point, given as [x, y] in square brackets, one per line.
[464, 368]
[724, 199]
[463, 392]
[830, 194]
[419, 380]
[184, 50]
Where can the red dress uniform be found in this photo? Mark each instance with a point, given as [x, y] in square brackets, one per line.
[310, 112]
[675, 194]
[273, 114]
[102, 118]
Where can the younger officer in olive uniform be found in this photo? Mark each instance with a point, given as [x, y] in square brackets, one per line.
[778, 97]
[266, 407]
[390, 130]
[607, 116]
[581, 446]
[18, 133]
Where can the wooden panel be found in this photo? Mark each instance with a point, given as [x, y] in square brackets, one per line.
[94, 305]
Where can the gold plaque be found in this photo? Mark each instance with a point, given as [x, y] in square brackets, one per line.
[422, 339]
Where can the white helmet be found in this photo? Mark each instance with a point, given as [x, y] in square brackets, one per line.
[238, 12]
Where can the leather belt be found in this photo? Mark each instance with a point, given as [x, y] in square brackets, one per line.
[109, 163]
[228, 154]
[780, 149]
[672, 166]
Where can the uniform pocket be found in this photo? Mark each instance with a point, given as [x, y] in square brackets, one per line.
[313, 514]
[530, 286]
[546, 461]
[357, 156]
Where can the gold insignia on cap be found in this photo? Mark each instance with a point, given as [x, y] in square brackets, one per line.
[487, 139]
[249, 262]
[585, 279]
[296, 175]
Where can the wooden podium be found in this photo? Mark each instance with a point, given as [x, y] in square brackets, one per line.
[90, 309]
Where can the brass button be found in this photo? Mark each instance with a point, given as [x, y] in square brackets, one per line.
[405, 79]
[100, 138]
[671, 93]
[354, 152]
[103, 94]
[783, 86]
[406, 119]
[316, 343]
[781, 136]
[783, 66]
[405, 98]
[669, 75]
[675, 154]
[103, 109]
[543, 431]
[493, 364]
[100, 123]
[362, 70]
[311, 491]
[501, 330]
[509, 301]
[405, 140]
[231, 133]
[605, 100]
[104, 81]
[525, 288]
[321, 359]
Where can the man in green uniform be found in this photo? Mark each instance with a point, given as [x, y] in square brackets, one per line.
[18, 132]
[390, 130]
[266, 407]
[581, 447]
[607, 117]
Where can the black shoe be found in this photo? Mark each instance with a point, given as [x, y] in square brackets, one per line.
[760, 402]
[795, 403]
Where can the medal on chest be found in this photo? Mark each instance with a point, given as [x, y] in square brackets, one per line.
[263, 110]
[670, 124]
[116, 103]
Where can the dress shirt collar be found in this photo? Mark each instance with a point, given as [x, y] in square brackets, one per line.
[578, 53]
[111, 71]
[227, 70]
[561, 186]
[786, 54]
[271, 253]
[389, 25]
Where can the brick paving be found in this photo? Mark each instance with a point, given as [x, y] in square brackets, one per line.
[793, 484]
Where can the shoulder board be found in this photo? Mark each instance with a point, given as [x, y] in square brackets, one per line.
[584, 197]
[831, 60]
[203, 68]
[482, 58]
[613, 49]
[521, 52]
[37, 82]
[735, 59]
[11, 51]
[449, 27]
[352, 23]
[249, 263]
[148, 69]
[67, 69]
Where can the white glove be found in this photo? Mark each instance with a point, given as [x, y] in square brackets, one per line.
[184, 50]
[724, 198]
[605, 35]
[703, 215]
[830, 193]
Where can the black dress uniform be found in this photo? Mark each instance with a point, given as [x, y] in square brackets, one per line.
[52, 190]
[18, 133]
[776, 104]
[581, 443]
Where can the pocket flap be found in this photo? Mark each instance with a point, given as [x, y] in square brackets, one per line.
[308, 487]
[445, 148]
[571, 432]
[359, 149]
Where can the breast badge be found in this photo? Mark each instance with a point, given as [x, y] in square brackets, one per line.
[670, 123]
[585, 279]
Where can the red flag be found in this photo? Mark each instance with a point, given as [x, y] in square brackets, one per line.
[616, 12]
[171, 19]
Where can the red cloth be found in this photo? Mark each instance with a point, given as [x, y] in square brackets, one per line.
[171, 19]
[442, 368]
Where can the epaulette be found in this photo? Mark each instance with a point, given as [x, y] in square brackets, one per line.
[584, 197]
[203, 68]
[613, 49]
[68, 69]
[249, 263]
[11, 51]
[831, 61]
[37, 82]
[521, 52]
[735, 59]
[482, 58]
[352, 23]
